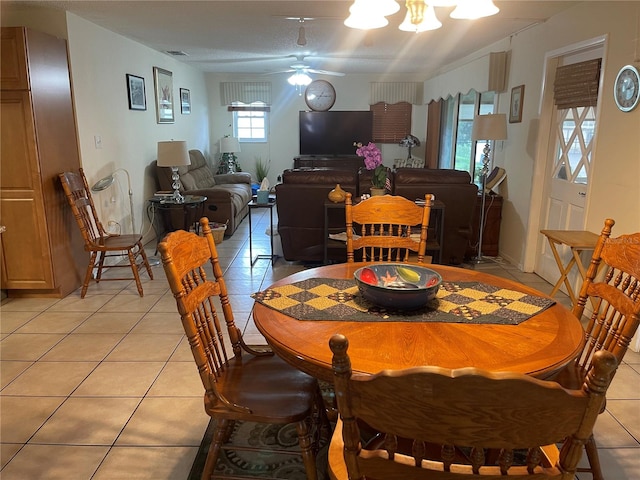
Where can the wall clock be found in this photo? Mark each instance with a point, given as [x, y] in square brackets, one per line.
[627, 88]
[320, 95]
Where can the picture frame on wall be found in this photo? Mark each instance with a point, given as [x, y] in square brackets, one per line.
[185, 101]
[136, 92]
[517, 101]
[163, 81]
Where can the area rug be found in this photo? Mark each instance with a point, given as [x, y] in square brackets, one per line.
[241, 463]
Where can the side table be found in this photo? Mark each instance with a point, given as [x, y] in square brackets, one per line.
[577, 241]
[192, 209]
[254, 204]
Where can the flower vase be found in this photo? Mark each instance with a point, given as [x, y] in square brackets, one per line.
[337, 195]
[377, 191]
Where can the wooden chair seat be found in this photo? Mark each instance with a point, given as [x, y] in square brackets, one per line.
[100, 244]
[252, 383]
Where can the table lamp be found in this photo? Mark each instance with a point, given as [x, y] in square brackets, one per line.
[487, 127]
[174, 154]
[228, 147]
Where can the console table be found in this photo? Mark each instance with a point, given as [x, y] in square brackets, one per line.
[347, 162]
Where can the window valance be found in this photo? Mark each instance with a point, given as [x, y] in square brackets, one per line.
[484, 74]
[395, 92]
[245, 92]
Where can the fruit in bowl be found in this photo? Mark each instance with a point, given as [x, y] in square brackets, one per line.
[400, 286]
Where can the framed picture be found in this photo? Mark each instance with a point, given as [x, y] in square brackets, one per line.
[517, 99]
[136, 93]
[163, 80]
[185, 101]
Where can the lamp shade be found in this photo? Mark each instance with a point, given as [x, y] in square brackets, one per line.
[229, 145]
[173, 154]
[490, 127]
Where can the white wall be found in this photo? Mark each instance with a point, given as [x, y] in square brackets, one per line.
[352, 93]
[614, 191]
[615, 180]
[99, 62]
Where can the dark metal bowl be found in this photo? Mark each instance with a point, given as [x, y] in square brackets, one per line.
[399, 286]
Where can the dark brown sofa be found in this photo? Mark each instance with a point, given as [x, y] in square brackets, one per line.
[300, 205]
[455, 190]
[302, 194]
[227, 195]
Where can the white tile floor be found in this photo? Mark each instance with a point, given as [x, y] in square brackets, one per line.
[105, 387]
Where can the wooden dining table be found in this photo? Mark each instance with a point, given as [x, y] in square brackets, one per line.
[539, 346]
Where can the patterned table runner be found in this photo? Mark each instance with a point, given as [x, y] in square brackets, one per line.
[456, 302]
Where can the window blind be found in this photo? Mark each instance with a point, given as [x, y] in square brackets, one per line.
[576, 85]
[391, 123]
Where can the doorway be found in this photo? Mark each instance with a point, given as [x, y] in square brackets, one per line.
[568, 132]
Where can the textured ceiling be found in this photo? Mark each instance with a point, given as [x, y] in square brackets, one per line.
[256, 37]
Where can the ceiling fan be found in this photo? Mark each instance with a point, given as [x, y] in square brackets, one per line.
[301, 67]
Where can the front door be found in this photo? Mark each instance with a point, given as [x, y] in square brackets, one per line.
[569, 165]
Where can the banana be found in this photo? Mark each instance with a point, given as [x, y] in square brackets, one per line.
[408, 275]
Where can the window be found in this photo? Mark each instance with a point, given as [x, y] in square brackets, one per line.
[391, 122]
[457, 150]
[250, 122]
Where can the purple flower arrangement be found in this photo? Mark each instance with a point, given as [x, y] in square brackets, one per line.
[373, 161]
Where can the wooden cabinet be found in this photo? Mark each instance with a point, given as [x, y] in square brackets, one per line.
[41, 247]
[491, 235]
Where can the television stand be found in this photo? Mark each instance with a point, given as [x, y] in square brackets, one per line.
[347, 162]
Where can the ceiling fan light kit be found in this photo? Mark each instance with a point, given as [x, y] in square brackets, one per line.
[420, 16]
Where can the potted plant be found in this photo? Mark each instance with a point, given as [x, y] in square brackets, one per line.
[262, 169]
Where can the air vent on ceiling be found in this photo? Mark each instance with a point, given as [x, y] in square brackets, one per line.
[177, 53]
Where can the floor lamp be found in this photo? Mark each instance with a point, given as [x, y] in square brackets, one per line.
[107, 181]
[488, 128]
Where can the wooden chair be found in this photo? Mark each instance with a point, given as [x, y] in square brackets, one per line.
[97, 241]
[384, 228]
[248, 385]
[443, 424]
[615, 298]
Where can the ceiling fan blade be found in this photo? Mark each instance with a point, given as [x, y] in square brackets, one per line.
[281, 71]
[325, 72]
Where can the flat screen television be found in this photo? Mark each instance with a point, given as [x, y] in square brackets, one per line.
[333, 133]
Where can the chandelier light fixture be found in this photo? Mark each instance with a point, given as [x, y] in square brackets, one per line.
[420, 16]
[367, 14]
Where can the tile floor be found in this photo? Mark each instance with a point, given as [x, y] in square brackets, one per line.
[105, 387]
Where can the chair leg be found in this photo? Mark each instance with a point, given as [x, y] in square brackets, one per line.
[222, 427]
[306, 445]
[594, 459]
[146, 261]
[134, 269]
[100, 266]
[87, 277]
